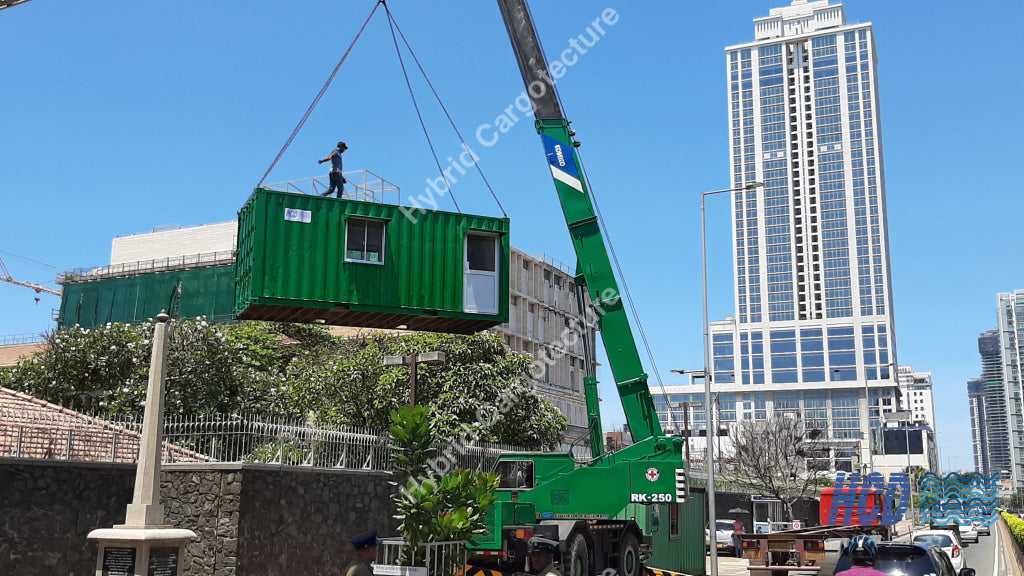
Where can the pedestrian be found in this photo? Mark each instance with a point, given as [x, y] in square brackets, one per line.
[336, 177]
[737, 540]
[366, 553]
[542, 556]
[862, 553]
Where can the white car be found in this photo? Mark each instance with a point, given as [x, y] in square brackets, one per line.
[982, 528]
[945, 540]
[967, 532]
[723, 535]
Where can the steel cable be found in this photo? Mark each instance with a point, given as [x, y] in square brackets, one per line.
[445, 109]
[629, 297]
[320, 94]
[419, 115]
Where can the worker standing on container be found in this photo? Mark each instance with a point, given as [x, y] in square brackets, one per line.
[366, 553]
[542, 556]
[337, 180]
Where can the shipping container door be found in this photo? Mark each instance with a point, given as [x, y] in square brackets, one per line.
[481, 274]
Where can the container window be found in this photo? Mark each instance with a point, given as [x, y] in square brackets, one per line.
[480, 252]
[364, 241]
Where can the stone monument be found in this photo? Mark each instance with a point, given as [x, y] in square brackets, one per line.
[144, 545]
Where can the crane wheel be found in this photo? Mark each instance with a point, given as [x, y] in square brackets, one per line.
[578, 563]
[629, 556]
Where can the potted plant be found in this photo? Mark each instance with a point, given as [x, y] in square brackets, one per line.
[434, 510]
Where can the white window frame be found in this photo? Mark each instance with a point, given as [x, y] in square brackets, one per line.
[383, 240]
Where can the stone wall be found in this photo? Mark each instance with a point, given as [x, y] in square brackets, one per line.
[47, 510]
[250, 519]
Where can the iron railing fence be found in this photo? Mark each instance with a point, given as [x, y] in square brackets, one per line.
[68, 435]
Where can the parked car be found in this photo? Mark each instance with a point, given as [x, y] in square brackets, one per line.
[968, 533]
[982, 528]
[899, 559]
[943, 539]
[723, 535]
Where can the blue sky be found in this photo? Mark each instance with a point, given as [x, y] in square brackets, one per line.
[121, 115]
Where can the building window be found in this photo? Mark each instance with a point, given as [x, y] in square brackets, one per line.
[364, 241]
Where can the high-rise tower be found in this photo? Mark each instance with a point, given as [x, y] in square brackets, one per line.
[813, 330]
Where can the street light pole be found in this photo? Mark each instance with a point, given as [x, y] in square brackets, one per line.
[412, 361]
[709, 418]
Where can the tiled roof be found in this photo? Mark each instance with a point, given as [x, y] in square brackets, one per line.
[34, 428]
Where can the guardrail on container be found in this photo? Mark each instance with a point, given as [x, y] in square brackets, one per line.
[361, 185]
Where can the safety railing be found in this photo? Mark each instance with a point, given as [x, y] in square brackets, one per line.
[361, 185]
[202, 260]
[26, 338]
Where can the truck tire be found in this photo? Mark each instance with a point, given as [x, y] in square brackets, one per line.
[578, 562]
[629, 556]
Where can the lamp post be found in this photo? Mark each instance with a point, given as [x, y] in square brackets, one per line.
[707, 355]
[412, 361]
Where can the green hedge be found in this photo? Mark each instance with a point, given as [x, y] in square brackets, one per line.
[1016, 528]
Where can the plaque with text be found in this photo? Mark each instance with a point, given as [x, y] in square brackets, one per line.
[119, 562]
[163, 562]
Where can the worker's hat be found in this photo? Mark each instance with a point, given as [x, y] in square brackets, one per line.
[543, 545]
[342, 146]
[365, 540]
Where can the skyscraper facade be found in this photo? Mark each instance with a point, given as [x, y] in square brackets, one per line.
[979, 430]
[1011, 347]
[813, 331]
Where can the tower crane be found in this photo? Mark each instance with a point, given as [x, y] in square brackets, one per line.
[5, 276]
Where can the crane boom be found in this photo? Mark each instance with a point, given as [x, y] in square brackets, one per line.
[593, 263]
[5, 276]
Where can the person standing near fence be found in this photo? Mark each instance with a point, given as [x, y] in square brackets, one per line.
[366, 553]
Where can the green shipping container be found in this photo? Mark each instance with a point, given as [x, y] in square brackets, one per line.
[677, 532]
[304, 258]
[205, 292]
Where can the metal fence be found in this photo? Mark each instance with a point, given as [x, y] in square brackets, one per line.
[361, 185]
[69, 435]
[201, 260]
[440, 558]
[26, 338]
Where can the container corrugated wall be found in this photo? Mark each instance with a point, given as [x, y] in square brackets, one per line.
[682, 552]
[205, 292]
[291, 265]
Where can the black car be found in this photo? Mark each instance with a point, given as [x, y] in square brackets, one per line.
[898, 559]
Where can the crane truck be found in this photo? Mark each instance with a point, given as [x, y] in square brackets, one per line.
[607, 510]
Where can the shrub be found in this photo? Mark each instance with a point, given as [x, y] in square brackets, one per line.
[1016, 528]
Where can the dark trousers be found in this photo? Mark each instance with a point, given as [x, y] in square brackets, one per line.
[337, 185]
[737, 546]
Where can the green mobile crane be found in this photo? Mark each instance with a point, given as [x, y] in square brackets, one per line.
[605, 511]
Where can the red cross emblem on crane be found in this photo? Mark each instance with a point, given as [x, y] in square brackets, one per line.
[653, 474]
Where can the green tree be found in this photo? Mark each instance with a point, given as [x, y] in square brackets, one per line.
[482, 391]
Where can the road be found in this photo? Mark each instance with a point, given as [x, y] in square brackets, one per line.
[985, 557]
